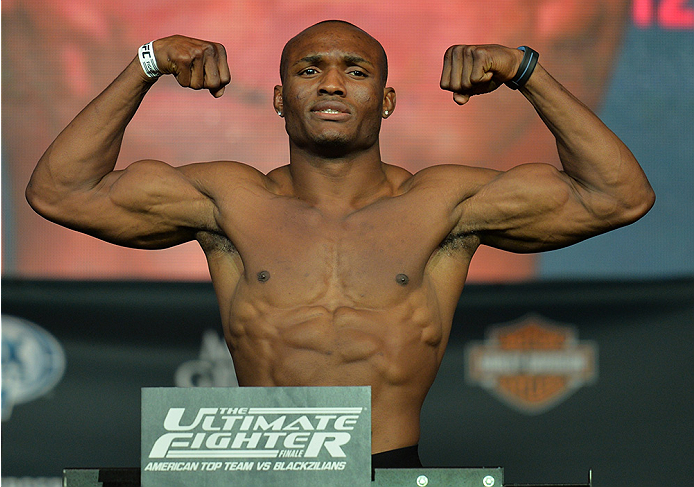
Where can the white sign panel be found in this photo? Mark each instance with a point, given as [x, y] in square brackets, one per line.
[256, 436]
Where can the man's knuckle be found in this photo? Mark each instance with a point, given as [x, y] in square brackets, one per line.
[196, 52]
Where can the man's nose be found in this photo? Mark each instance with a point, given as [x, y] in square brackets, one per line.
[332, 83]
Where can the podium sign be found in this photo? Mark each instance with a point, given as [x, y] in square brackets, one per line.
[256, 436]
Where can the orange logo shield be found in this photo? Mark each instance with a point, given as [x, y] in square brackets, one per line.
[531, 364]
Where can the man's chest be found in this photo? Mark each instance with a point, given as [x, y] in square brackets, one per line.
[370, 256]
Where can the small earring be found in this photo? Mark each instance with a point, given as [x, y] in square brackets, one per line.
[385, 113]
[279, 113]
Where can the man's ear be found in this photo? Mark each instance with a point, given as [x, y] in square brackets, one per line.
[277, 101]
[388, 102]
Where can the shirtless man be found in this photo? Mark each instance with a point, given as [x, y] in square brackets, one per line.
[339, 269]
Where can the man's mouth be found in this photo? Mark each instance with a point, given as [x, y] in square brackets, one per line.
[331, 111]
[332, 106]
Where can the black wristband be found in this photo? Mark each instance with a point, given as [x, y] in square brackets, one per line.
[526, 68]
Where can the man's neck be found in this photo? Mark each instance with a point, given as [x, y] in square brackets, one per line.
[342, 184]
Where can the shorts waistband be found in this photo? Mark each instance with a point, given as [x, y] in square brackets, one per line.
[407, 457]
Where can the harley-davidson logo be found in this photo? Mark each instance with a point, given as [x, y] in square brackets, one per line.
[531, 364]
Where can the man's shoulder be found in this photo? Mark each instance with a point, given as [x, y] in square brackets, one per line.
[454, 176]
[221, 168]
[453, 170]
[215, 175]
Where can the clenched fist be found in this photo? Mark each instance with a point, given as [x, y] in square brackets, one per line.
[194, 63]
[473, 70]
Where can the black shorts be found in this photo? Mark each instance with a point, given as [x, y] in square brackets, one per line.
[407, 457]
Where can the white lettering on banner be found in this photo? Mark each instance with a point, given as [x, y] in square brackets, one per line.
[514, 362]
[310, 466]
[172, 466]
[219, 433]
[173, 419]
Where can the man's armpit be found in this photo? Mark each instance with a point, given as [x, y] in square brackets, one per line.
[214, 242]
[460, 244]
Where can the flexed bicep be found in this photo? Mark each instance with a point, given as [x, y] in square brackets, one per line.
[533, 208]
[153, 205]
[147, 205]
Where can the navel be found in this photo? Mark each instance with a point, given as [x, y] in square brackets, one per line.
[263, 276]
[402, 279]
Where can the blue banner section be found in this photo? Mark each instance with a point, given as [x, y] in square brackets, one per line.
[547, 380]
[662, 243]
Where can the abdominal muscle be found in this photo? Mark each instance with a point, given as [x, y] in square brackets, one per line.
[395, 349]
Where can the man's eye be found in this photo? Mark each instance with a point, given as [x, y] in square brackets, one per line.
[308, 71]
[358, 72]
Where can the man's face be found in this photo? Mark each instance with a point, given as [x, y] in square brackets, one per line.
[333, 96]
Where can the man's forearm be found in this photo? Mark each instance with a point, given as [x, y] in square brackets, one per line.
[87, 149]
[589, 151]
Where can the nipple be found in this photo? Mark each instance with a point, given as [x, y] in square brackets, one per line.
[402, 279]
[263, 276]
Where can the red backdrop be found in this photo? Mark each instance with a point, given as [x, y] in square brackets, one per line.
[58, 54]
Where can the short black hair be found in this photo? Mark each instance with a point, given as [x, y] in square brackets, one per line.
[285, 50]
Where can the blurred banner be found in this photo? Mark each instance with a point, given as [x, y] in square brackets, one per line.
[630, 61]
[547, 380]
